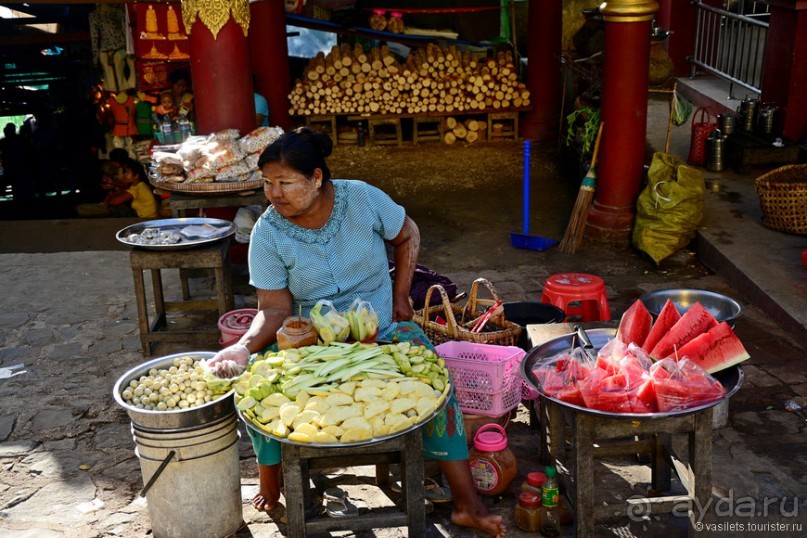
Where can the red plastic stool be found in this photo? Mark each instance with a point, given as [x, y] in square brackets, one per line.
[585, 293]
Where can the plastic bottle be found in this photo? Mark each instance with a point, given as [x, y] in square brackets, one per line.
[167, 131]
[528, 512]
[184, 128]
[550, 519]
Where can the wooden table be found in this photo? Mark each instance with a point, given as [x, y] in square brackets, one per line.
[182, 203]
[405, 449]
[592, 436]
[215, 257]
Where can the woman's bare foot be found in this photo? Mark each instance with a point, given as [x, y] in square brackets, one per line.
[269, 489]
[479, 519]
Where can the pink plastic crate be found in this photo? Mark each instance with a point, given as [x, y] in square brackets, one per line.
[485, 377]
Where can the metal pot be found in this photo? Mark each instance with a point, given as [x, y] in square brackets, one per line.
[765, 119]
[726, 122]
[748, 113]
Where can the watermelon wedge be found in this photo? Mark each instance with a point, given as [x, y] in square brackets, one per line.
[668, 317]
[635, 324]
[696, 321]
[715, 350]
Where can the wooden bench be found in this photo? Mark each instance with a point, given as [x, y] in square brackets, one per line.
[426, 128]
[215, 257]
[385, 130]
[405, 449]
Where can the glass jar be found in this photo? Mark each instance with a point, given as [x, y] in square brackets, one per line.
[528, 512]
[533, 483]
[493, 465]
[297, 331]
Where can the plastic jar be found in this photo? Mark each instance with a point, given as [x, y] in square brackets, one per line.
[296, 331]
[533, 483]
[528, 512]
[493, 465]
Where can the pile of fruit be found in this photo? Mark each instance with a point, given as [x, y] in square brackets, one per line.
[342, 393]
[649, 367]
[182, 385]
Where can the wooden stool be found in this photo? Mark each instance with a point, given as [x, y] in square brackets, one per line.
[616, 437]
[324, 123]
[380, 132]
[405, 449]
[425, 128]
[509, 123]
[578, 294]
[216, 257]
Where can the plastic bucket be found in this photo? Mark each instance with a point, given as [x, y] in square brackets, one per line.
[192, 468]
[234, 324]
[525, 313]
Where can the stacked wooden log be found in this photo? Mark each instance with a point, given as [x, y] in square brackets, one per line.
[436, 79]
[469, 130]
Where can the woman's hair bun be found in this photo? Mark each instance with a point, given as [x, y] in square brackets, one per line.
[317, 139]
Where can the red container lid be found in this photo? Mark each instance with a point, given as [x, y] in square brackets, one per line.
[536, 479]
[525, 498]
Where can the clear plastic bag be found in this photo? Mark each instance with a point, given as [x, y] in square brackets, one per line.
[330, 324]
[560, 376]
[683, 384]
[363, 321]
[616, 384]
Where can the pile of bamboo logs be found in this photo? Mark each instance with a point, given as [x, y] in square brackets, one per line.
[469, 130]
[349, 80]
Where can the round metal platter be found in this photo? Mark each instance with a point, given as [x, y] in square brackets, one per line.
[731, 378]
[174, 419]
[440, 407]
[224, 228]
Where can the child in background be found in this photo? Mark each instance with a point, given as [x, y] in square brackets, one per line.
[137, 192]
[166, 108]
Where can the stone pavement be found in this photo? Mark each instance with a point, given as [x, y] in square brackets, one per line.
[67, 455]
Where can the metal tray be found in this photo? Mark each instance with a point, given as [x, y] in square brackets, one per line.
[440, 407]
[173, 420]
[225, 229]
[731, 378]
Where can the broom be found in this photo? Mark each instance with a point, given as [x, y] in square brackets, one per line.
[577, 221]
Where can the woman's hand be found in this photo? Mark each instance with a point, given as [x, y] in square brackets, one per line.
[402, 309]
[229, 362]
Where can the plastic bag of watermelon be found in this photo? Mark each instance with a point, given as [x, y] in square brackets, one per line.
[620, 381]
[683, 384]
[558, 375]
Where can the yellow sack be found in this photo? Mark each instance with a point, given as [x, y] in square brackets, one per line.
[669, 209]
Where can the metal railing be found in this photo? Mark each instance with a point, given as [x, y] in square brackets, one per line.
[730, 43]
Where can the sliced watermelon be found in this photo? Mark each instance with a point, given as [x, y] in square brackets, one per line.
[715, 350]
[647, 395]
[635, 324]
[606, 363]
[571, 394]
[696, 321]
[590, 387]
[668, 317]
[683, 384]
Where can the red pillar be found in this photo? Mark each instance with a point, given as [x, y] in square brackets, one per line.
[222, 81]
[545, 28]
[626, 59]
[784, 81]
[269, 54]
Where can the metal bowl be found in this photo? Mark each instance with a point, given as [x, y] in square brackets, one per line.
[176, 419]
[731, 378]
[223, 229]
[722, 307]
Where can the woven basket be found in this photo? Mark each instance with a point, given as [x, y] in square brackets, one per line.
[459, 319]
[212, 187]
[783, 198]
[704, 121]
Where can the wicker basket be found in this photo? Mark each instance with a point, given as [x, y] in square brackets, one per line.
[213, 187]
[783, 198]
[459, 319]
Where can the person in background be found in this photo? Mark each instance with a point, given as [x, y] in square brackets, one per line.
[326, 239]
[261, 111]
[136, 191]
[183, 99]
[166, 108]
